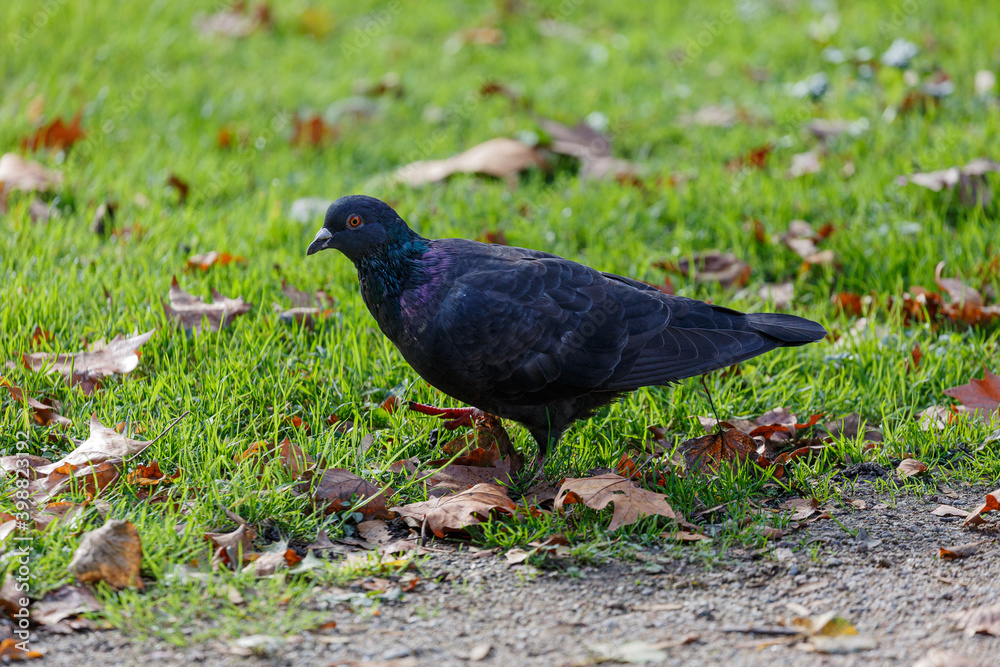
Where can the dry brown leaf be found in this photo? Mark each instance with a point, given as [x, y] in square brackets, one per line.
[990, 504]
[461, 510]
[65, 603]
[708, 451]
[234, 21]
[16, 173]
[103, 444]
[711, 267]
[205, 261]
[911, 467]
[313, 131]
[112, 554]
[10, 650]
[978, 394]
[973, 189]
[501, 158]
[983, 620]
[779, 294]
[42, 414]
[150, 475]
[57, 134]
[89, 368]
[804, 163]
[631, 502]
[960, 551]
[303, 299]
[193, 314]
[339, 489]
[232, 548]
[948, 510]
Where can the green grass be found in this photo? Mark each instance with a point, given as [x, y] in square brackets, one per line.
[154, 94]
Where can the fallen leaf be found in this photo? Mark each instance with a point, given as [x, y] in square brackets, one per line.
[57, 134]
[754, 158]
[973, 189]
[88, 369]
[205, 261]
[911, 467]
[10, 650]
[16, 173]
[711, 267]
[64, 603]
[978, 394]
[948, 510]
[708, 451]
[461, 510]
[960, 551]
[501, 158]
[179, 184]
[631, 502]
[313, 131]
[303, 299]
[103, 444]
[339, 489]
[780, 295]
[150, 475]
[714, 116]
[804, 163]
[234, 21]
[111, 553]
[983, 620]
[990, 504]
[193, 314]
[482, 36]
[276, 557]
[42, 414]
[233, 547]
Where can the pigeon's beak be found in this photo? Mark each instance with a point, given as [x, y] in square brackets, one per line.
[321, 242]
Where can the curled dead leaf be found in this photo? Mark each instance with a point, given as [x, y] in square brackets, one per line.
[501, 158]
[112, 554]
[194, 314]
[87, 369]
[461, 510]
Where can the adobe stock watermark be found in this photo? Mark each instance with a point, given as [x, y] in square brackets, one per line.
[245, 155]
[21, 553]
[363, 36]
[900, 12]
[121, 109]
[31, 26]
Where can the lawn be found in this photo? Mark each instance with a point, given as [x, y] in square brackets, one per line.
[155, 92]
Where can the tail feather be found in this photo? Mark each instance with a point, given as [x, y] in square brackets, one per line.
[788, 329]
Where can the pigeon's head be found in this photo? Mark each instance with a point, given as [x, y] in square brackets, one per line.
[360, 226]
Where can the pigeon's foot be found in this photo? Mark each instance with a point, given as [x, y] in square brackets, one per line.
[454, 417]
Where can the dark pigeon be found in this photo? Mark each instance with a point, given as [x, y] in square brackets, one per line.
[530, 336]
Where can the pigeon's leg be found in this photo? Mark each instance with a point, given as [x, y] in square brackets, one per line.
[454, 417]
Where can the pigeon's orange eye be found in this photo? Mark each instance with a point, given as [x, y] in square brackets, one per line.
[354, 221]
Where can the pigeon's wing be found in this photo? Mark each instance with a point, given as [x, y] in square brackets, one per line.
[539, 327]
[699, 338]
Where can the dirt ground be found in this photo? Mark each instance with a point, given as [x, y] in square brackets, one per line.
[892, 586]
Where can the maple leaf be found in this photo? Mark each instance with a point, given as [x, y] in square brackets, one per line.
[56, 134]
[88, 369]
[42, 413]
[338, 489]
[970, 179]
[631, 502]
[192, 313]
[461, 510]
[313, 131]
[500, 158]
[150, 475]
[978, 394]
[112, 554]
[102, 445]
[233, 547]
[708, 451]
[308, 305]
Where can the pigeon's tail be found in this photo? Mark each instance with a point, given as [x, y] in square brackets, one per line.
[789, 330]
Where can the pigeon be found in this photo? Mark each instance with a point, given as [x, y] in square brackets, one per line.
[530, 336]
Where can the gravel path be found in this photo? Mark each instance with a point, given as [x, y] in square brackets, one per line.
[892, 587]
